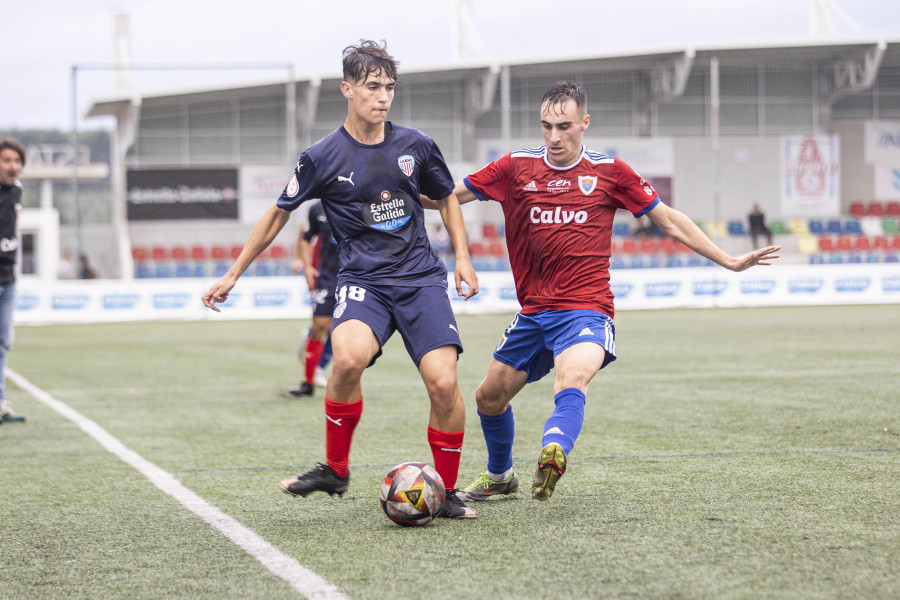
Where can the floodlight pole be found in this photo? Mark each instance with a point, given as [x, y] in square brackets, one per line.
[78, 241]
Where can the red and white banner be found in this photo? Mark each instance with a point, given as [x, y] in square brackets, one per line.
[810, 176]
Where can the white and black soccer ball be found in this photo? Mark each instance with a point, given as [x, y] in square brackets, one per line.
[412, 494]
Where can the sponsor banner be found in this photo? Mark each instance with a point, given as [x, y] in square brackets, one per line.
[168, 194]
[882, 141]
[97, 301]
[260, 187]
[887, 181]
[40, 302]
[810, 176]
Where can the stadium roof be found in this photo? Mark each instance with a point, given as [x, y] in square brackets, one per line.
[775, 55]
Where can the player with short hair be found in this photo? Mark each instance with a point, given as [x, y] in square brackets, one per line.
[369, 174]
[321, 277]
[12, 161]
[558, 203]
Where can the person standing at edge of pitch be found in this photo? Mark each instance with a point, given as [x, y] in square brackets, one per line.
[558, 203]
[369, 174]
[12, 160]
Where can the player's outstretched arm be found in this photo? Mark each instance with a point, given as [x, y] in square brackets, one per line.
[676, 224]
[265, 230]
[456, 228]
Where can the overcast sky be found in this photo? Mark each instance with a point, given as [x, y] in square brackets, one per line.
[45, 38]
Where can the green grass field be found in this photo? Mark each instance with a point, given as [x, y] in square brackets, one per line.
[726, 454]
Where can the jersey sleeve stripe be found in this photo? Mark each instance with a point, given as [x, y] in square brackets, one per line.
[478, 194]
[648, 209]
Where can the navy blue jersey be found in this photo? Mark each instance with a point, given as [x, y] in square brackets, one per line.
[370, 194]
[328, 259]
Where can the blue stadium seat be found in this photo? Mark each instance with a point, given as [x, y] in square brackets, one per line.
[736, 228]
[815, 227]
[674, 261]
[853, 227]
[621, 230]
[183, 270]
[836, 258]
[163, 270]
[835, 226]
[262, 270]
[890, 257]
[616, 262]
[142, 271]
[694, 261]
[220, 269]
[854, 257]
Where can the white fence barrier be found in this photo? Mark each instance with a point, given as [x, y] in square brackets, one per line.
[287, 297]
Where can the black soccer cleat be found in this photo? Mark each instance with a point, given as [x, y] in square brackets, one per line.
[455, 508]
[321, 479]
[304, 389]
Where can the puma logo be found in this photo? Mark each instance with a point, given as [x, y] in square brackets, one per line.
[347, 179]
[335, 421]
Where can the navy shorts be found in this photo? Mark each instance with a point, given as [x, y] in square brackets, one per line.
[323, 298]
[531, 342]
[422, 315]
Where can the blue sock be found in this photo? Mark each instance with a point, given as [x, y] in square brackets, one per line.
[326, 353]
[499, 432]
[565, 423]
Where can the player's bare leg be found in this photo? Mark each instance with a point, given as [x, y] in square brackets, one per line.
[446, 424]
[354, 346]
[493, 398]
[575, 368]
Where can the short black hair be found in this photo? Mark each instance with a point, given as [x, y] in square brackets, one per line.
[368, 57]
[14, 144]
[565, 90]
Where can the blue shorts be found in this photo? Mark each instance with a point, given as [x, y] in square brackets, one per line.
[531, 342]
[323, 297]
[422, 315]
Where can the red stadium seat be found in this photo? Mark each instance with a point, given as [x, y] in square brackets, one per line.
[649, 246]
[844, 243]
[881, 243]
[159, 253]
[278, 252]
[490, 231]
[858, 209]
[629, 246]
[218, 252]
[668, 246]
[477, 249]
[892, 209]
[496, 249]
[863, 243]
[198, 253]
[826, 244]
[139, 253]
[876, 209]
[179, 253]
[895, 243]
[236, 251]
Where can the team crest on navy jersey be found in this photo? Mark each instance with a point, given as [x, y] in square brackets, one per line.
[293, 187]
[407, 164]
[587, 184]
[392, 210]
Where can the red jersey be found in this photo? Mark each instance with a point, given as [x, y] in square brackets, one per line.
[559, 223]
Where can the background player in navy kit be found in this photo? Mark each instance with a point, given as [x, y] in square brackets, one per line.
[321, 277]
[558, 203]
[369, 174]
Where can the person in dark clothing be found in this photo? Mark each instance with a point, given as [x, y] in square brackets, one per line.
[12, 160]
[758, 227]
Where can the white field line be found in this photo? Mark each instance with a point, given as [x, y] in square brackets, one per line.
[301, 579]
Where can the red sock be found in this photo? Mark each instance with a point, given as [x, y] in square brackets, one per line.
[446, 449]
[341, 419]
[312, 354]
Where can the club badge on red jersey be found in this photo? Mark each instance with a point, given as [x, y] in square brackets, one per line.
[587, 184]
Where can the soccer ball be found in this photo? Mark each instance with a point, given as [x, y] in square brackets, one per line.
[412, 494]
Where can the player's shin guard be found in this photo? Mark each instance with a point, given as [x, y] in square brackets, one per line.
[565, 423]
[499, 433]
[341, 419]
[311, 358]
[446, 449]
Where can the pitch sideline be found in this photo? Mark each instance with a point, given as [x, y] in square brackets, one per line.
[301, 579]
